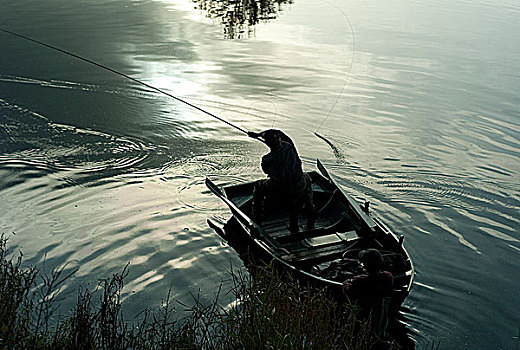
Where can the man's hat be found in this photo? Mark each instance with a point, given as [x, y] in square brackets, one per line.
[270, 137]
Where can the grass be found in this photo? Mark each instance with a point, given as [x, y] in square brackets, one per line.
[271, 312]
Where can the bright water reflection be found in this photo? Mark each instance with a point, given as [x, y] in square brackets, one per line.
[420, 99]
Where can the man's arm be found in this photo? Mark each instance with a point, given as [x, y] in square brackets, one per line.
[254, 135]
[261, 135]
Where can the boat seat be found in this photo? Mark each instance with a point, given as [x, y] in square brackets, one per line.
[285, 236]
[317, 254]
[333, 238]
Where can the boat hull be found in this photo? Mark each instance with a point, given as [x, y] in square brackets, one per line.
[325, 256]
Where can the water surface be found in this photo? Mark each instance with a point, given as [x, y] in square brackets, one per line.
[421, 100]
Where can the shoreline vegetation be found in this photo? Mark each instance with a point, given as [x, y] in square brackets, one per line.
[271, 312]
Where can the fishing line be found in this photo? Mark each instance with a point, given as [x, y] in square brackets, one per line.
[123, 75]
[275, 114]
[350, 65]
[334, 148]
[250, 108]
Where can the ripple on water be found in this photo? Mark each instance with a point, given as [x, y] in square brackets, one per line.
[464, 207]
[59, 84]
[223, 169]
[437, 189]
[70, 85]
[33, 140]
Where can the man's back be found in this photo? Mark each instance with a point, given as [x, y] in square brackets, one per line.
[366, 289]
[283, 165]
[286, 179]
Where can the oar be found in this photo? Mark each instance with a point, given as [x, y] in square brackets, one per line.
[322, 170]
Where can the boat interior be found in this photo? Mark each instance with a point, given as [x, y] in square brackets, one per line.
[339, 234]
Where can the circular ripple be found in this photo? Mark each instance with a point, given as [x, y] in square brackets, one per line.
[33, 138]
[222, 169]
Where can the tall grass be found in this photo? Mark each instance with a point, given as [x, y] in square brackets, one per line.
[272, 311]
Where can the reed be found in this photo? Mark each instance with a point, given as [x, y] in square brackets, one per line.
[272, 311]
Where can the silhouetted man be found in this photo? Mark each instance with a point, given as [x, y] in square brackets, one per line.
[286, 180]
[371, 291]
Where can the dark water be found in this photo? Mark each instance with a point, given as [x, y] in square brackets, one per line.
[421, 100]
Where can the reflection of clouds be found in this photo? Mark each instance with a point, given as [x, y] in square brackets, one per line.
[239, 16]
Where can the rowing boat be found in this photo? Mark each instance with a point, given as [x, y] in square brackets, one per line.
[326, 255]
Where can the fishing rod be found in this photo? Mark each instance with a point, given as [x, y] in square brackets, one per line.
[124, 75]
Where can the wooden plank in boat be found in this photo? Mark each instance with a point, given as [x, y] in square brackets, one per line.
[277, 225]
[337, 237]
[280, 229]
[316, 255]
